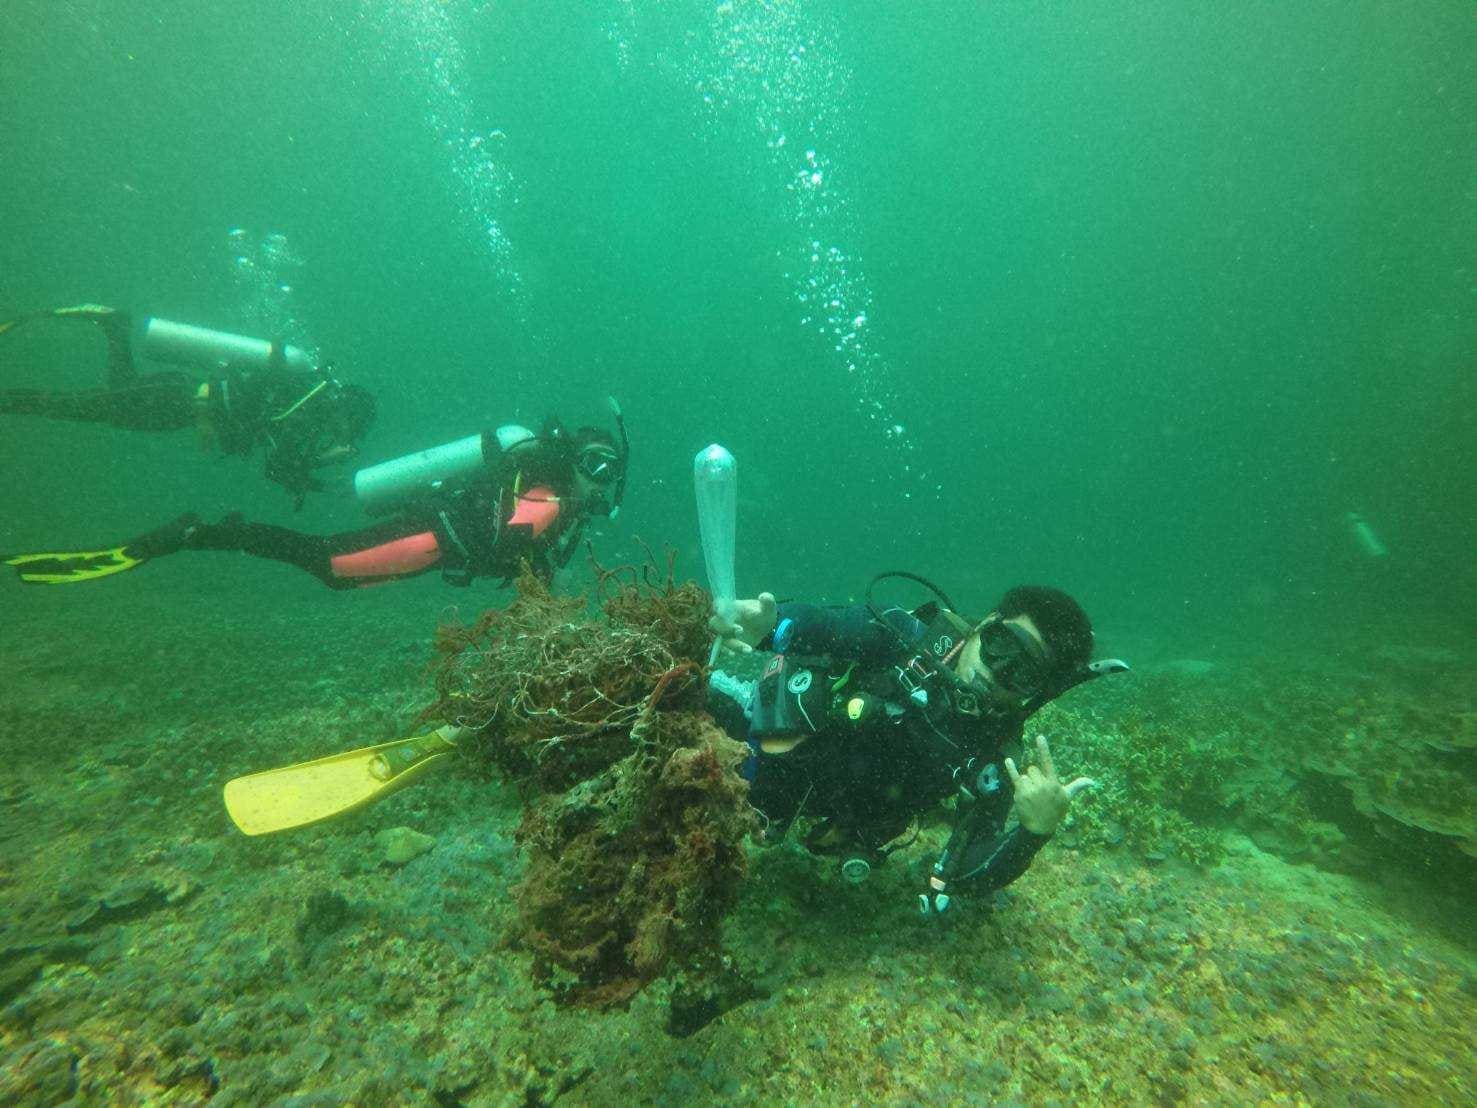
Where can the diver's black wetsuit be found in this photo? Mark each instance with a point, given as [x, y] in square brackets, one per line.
[525, 509]
[870, 779]
[474, 535]
[130, 400]
[311, 553]
[238, 409]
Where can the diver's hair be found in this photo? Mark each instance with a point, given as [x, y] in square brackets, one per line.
[1060, 619]
[587, 436]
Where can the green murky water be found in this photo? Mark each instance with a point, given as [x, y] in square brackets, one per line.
[1154, 304]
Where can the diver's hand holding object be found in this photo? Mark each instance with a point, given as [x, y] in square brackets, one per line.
[752, 621]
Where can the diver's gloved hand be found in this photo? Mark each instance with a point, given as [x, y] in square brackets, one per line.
[1041, 800]
[752, 621]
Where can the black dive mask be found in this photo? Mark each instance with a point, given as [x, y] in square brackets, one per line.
[599, 463]
[606, 466]
[1016, 661]
[597, 458]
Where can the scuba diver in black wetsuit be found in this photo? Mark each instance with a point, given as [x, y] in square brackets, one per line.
[867, 718]
[259, 394]
[478, 507]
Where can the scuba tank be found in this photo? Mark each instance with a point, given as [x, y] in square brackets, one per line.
[383, 488]
[186, 344]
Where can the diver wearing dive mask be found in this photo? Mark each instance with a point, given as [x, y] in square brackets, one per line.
[867, 717]
[1006, 658]
[483, 506]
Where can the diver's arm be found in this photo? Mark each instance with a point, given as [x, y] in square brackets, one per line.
[563, 546]
[982, 855]
[999, 859]
[288, 468]
[850, 631]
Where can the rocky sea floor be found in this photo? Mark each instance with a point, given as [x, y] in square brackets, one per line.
[149, 953]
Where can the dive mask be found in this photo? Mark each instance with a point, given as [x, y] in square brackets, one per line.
[599, 463]
[1017, 662]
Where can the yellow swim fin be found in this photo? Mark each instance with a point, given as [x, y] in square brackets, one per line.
[65, 568]
[295, 796]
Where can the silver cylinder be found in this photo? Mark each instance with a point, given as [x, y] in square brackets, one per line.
[186, 344]
[382, 488]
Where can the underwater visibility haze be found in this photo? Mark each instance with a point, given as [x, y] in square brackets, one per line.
[1167, 307]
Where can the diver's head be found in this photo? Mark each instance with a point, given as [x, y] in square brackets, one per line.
[1035, 637]
[357, 410]
[598, 466]
[344, 423]
[340, 424]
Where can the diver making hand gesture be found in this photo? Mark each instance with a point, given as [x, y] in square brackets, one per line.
[865, 718]
[1041, 800]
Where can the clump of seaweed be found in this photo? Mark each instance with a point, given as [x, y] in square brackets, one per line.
[549, 694]
[638, 866]
[644, 598]
[636, 811]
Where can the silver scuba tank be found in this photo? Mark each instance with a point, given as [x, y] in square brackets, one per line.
[384, 487]
[186, 344]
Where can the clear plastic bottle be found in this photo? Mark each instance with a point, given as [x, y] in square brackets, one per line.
[715, 480]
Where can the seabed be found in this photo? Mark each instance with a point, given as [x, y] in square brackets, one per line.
[1286, 944]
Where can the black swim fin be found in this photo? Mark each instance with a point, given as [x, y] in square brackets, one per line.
[70, 566]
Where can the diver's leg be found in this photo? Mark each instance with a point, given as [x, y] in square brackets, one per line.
[310, 553]
[81, 406]
[154, 402]
[320, 555]
[117, 328]
[118, 331]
